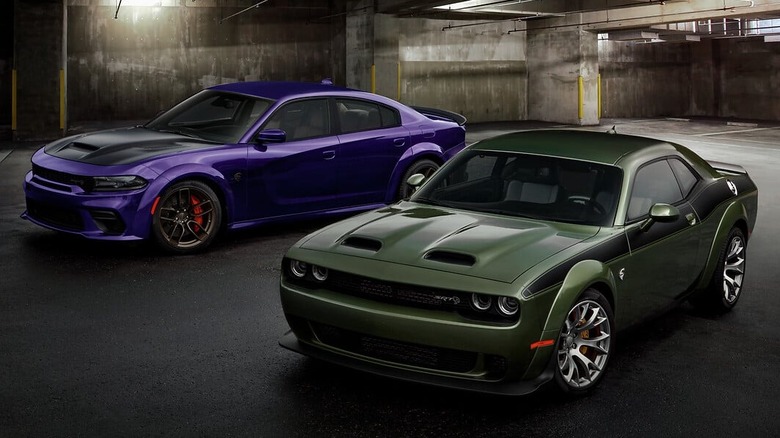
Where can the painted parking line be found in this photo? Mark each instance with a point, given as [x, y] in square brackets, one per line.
[737, 131]
[4, 154]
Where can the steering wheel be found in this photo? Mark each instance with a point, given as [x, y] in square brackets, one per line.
[588, 203]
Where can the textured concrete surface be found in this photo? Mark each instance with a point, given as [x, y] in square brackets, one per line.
[102, 339]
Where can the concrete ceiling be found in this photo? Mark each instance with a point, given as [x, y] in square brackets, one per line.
[624, 20]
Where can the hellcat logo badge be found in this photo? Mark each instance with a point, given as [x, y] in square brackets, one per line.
[622, 273]
[446, 299]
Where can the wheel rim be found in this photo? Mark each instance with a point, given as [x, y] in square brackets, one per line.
[583, 347]
[187, 217]
[733, 269]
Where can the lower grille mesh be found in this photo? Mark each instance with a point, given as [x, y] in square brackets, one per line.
[395, 351]
[56, 216]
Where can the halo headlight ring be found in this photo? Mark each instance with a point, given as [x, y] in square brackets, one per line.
[508, 306]
[481, 302]
[298, 268]
[319, 273]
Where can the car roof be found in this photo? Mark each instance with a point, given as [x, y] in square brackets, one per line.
[280, 90]
[601, 147]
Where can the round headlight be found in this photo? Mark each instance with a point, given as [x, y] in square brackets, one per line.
[298, 268]
[508, 306]
[481, 302]
[319, 273]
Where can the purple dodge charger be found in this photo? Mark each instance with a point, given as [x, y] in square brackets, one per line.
[235, 156]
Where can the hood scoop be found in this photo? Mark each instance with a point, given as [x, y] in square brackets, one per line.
[453, 258]
[362, 243]
[82, 147]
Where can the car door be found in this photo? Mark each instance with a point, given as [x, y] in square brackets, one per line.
[372, 142]
[663, 261]
[297, 175]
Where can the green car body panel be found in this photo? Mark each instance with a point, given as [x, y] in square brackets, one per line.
[396, 301]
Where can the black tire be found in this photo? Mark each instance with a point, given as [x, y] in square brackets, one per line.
[187, 218]
[585, 344]
[425, 167]
[725, 286]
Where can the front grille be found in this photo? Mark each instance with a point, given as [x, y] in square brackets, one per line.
[398, 293]
[402, 294]
[84, 182]
[64, 218]
[406, 353]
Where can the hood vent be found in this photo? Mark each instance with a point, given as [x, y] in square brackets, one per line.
[362, 243]
[83, 147]
[453, 258]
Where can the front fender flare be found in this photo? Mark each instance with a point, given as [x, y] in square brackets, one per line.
[580, 277]
[171, 176]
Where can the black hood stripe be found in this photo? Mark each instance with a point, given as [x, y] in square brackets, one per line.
[603, 252]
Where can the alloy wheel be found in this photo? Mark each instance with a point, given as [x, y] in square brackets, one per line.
[584, 344]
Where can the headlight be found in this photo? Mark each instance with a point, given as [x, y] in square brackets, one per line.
[508, 306]
[481, 302]
[114, 183]
[319, 273]
[298, 269]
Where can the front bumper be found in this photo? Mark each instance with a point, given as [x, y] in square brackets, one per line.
[103, 216]
[519, 387]
[419, 345]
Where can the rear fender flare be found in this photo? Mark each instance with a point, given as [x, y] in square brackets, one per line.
[420, 151]
[734, 213]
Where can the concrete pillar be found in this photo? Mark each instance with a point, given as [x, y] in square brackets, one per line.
[39, 59]
[359, 44]
[387, 55]
[563, 81]
[705, 92]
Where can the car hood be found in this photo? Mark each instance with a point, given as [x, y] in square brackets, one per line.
[487, 246]
[122, 146]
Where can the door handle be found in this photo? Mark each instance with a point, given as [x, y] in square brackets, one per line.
[329, 155]
[399, 142]
[691, 218]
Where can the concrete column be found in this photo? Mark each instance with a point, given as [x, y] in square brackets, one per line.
[705, 92]
[359, 44]
[562, 73]
[39, 54]
[386, 55]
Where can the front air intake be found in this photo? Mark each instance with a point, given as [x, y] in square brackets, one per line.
[362, 243]
[453, 258]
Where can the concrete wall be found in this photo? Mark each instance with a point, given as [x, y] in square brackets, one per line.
[479, 72]
[6, 67]
[746, 80]
[730, 78]
[38, 60]
[645, 80]
[557, 59]
[150, 58]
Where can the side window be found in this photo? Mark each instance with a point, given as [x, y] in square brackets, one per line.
[653, 183]
[302, 119]
[359, 115]
[685, 176]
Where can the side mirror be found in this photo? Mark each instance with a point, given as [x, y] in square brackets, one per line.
[271, 136]
[416, 180]
[660, 212]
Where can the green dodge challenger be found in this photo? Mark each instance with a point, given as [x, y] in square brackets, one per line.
[518, 261]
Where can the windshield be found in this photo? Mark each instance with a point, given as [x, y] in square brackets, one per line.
[532, 186]
[213, 116]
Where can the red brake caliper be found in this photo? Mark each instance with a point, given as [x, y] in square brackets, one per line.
[196, 210]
